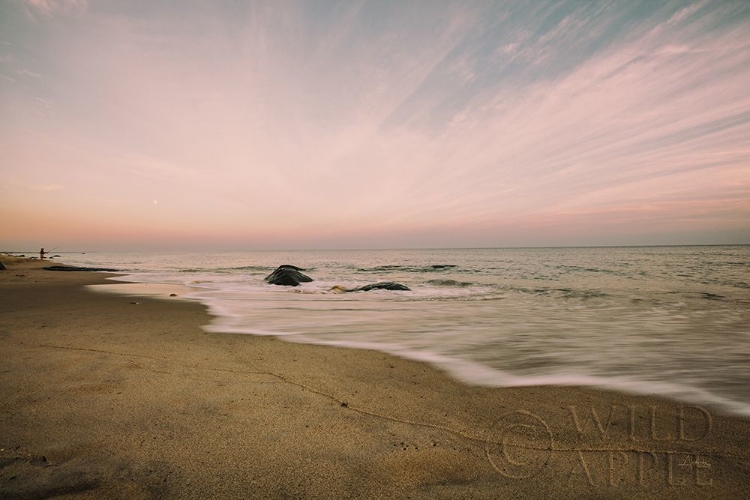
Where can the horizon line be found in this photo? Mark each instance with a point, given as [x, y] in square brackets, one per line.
[521, 247]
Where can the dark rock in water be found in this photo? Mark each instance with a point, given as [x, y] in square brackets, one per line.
[2, 267]
[442, 266]
[55, 256]
[287, 276]
[75, 268]
[383, 285]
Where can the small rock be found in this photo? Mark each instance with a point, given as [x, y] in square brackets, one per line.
[173, 295]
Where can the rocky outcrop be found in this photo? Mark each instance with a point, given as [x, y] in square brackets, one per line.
[2, 267]
[287, 275]
[75, 268]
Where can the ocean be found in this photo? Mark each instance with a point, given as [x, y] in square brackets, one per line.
[673, 321]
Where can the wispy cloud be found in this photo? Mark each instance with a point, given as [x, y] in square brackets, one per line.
[26, 72]
[47, 187]
[375, 118]
[41, 188]
[49, 7]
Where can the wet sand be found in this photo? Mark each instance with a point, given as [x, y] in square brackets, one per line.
[104, 395]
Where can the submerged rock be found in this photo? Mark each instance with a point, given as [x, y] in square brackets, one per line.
[383, 285]
[452, 283]
[287, 275]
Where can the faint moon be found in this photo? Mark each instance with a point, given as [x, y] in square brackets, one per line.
[156, 202]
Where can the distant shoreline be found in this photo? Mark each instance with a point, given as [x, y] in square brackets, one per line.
[76, 252]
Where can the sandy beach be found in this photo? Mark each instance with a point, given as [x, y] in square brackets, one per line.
[105, 395]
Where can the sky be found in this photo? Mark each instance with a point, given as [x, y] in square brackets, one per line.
[230, 125]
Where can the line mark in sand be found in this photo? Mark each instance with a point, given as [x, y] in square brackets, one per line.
[341, 402]
[344, 404]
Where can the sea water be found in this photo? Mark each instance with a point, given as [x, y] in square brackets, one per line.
[673, 321]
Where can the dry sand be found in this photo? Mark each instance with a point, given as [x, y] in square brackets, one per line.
[110, 396]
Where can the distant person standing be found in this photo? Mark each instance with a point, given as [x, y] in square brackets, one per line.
[41, 253]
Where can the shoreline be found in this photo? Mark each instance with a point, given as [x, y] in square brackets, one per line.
[103, 397]
[463, 370]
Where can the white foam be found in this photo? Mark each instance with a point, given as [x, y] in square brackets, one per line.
[474, 373]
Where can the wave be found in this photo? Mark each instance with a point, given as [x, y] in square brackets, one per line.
[565, 293]
[479, 374]
[581, 269]
[250, 268]
[224, 270]
[407, 269]
[450, 283]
